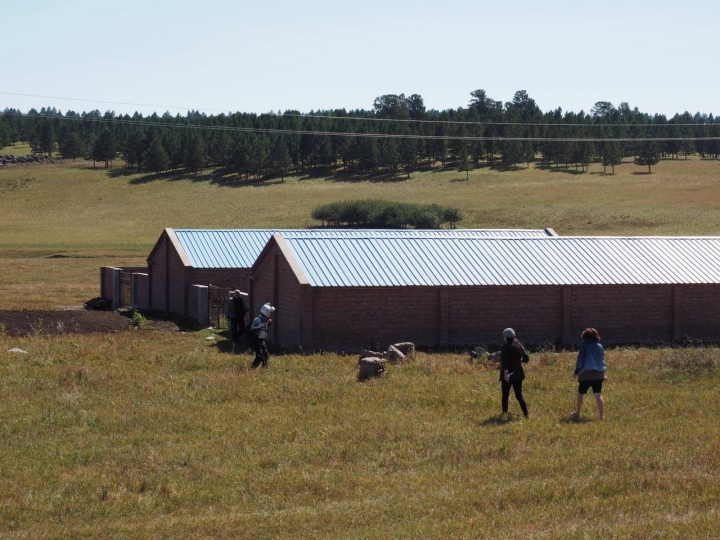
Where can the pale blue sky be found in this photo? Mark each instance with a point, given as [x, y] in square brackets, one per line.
[275, 55]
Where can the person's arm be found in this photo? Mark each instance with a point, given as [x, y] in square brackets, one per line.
[580, 360]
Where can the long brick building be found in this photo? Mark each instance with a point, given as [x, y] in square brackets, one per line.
[360, 291]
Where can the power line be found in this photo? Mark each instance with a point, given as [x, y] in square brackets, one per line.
[360, 118]
[353, 134]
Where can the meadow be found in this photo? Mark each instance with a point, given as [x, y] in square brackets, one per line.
[163, 435]
[152, 434]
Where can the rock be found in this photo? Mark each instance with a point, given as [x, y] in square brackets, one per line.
[407, 348]
[370, 354]
[17, 350]
[371, 367]
[210, 338]
[394, 355]
[478, 352]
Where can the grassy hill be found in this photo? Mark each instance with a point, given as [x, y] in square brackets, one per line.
[97, 217]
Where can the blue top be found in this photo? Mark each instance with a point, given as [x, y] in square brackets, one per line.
[591, 356]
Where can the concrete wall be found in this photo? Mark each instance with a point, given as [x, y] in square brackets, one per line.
[140, 291]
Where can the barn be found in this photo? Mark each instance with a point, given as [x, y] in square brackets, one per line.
[184, 262]
[349, 292]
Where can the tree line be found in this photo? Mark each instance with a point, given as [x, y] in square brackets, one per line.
[398, 135]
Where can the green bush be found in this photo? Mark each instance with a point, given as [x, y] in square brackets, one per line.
[385, 214]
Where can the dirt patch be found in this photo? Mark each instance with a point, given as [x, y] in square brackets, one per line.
[30, 322]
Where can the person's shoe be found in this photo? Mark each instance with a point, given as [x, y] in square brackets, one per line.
[574, 416]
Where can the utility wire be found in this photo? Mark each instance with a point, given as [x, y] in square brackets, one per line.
[353, 134]
[366, 119]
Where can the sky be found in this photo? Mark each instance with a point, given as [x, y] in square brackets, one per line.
[277, 55]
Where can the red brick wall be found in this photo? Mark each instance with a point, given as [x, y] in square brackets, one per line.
[699, 308]
[353, 318]
[623, 313]
[478, 315]
[262, 289]
[220, 277]
[167, 277]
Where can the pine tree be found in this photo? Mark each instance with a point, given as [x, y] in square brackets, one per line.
[464, 162]
[647, 154]
[611, 155]
[281, 158]
[155, 157]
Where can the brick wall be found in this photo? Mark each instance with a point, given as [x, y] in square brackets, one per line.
[167, 278]
[623, 313]
[699, 311]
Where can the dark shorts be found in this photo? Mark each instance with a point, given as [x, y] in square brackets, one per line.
[596, 386]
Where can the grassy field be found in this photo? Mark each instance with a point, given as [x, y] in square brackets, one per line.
[19, 149]
[163, 435]
[149, 434]
[87, 218]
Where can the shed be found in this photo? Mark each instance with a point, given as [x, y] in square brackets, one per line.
[344, 293]
[223, 257]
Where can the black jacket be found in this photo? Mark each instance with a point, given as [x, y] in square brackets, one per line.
[511, 360]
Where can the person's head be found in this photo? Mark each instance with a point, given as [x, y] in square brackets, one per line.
[267, 310]
[590, 334]
[236, 293]
[509, 334]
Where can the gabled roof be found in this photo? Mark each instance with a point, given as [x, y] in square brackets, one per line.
[239, 248]
[389, 261]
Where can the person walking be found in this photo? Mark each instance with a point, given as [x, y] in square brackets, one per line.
[259, 328]
[236, 314]
[590, 371]
[512, 357]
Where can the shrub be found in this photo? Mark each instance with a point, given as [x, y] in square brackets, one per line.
[385, 214]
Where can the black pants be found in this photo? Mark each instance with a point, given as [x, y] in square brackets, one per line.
[261, 354]
[517, 386]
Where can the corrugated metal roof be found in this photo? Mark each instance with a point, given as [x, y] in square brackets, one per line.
[239, 248]
[387, 261]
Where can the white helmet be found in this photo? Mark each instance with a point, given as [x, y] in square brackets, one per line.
[509, 333]
[267, 310]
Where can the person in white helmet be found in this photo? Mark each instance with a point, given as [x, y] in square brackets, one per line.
[512, 357]
[259, 328]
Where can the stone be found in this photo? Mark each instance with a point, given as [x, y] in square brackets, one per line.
[407, 348]
[370, 354]
[394, 355]
[371, 367]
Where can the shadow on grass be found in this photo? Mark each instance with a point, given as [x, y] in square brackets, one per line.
[500, 420]
[569, 419]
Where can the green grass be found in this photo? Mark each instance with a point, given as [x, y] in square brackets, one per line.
[72, 209]
[147, 435]
[18, 149]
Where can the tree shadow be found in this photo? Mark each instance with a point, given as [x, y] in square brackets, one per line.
[641, 173]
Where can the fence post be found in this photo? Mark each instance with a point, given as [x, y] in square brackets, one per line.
[117, 301]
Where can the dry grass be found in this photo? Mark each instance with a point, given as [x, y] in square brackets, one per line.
[71, 209]
[19, 149]
[147, 435]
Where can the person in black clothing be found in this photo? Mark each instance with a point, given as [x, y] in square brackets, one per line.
[236, 314]
[511, 370]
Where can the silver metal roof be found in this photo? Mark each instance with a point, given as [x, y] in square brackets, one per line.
[388, 261]
[239, 248]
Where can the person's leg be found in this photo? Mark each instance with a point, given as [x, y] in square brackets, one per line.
[505, 395]
[517, 387]
[264, 354]
[600, 404]
[258, 353]
[578, 405]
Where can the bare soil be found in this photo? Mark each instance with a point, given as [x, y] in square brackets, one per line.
[30, 322]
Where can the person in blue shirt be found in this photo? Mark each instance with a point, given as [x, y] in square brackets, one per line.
[590, 371]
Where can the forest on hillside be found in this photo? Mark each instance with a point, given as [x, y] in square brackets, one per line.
[398, 135]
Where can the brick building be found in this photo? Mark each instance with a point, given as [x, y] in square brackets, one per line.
[344, 293]
[223, 257]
